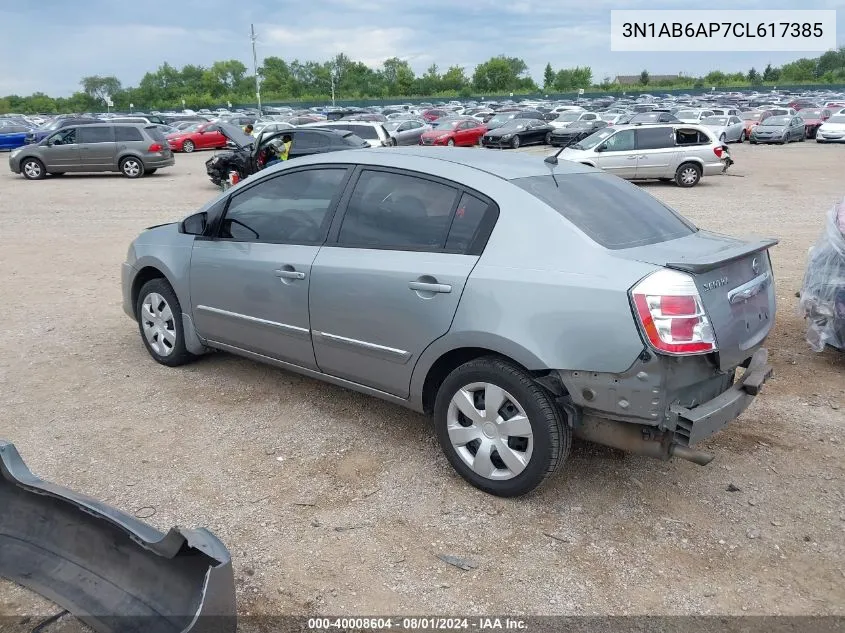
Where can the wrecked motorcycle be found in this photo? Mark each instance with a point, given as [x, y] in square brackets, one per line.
[113, 572]
[823, 291]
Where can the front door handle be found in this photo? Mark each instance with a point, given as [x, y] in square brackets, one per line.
[632, 157]
[422, 286]
[288, 273]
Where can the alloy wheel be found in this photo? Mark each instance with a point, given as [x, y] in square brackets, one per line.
[132, 168]
[32, 169]
[490, 431]
[689, 175]
[158, 324]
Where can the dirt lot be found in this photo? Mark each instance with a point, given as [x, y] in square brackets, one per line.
[237, 447]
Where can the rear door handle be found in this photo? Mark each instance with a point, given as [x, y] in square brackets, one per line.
[284, 273]
[632, 157]
[421, 286]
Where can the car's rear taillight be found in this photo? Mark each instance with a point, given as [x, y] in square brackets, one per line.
[718, 151]
[671, 314]
[155, 147]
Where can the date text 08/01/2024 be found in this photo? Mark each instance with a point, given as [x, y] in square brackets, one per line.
[723, 29]
[416, 624]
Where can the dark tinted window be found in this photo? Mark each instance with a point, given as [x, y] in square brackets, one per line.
[287, 208]
[124, 134]
[655, 138]
[349, 140]
[611, 211]
[465, 225]
[95, 134]
[310, 140]
[66, 137]
[389, 210]
[691, 137]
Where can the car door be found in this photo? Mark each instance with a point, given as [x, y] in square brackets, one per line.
[96, 147]
[735, 128]
[618, 154]
[383, 288]
[798, 131]
[61, 152]
[249, 284]
[655, 151]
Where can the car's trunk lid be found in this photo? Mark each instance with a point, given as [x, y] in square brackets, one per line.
[735, 281]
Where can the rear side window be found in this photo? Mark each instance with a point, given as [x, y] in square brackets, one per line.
[95, 134]
[310, 140]
[156, 134]
[397, 211]
[126, 134]
[611, 211]
[473, 217]
[655, 138]
[691, 137]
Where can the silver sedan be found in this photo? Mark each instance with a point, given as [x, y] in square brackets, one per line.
[406, 132]
[726, 128]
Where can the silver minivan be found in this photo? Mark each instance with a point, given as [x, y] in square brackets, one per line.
[680, 152]
[129, 148]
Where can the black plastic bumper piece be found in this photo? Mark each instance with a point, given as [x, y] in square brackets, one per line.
[115, 573]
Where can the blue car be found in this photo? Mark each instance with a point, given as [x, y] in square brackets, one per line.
[40, 133]
[12, 136]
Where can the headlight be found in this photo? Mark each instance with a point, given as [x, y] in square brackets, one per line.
[507, 137]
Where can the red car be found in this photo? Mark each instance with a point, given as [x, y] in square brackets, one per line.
[801, 104]
[434, 114]
[752, 118]
[454, 132]
[196, 137]
[813, 118]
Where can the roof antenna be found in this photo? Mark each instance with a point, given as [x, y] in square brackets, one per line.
[552, 160]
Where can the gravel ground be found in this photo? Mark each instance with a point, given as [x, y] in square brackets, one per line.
[336, 503]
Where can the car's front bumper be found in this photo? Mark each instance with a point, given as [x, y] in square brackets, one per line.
[14, 162]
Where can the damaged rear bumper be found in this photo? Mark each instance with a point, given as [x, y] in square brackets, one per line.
[110, 570]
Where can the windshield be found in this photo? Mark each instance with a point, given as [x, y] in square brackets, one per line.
[51, 125]
[612, 212]
[811, 114]
[646, 116]
[364, 131]
[191, 128]
[592, 140]
[512, 126]
[777, 120]
[577, 125]
[446, 125]
[500, 119]
[569, 116]
[715, 120]
[687, 114]
[751, 116]
[609, 116]
[839, 118]
[390, 126]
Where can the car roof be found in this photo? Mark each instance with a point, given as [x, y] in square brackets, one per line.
[505, 165]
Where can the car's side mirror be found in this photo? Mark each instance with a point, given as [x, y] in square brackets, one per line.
[194, 224]
[601, 148]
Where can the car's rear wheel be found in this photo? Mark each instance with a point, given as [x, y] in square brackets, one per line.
[688, 175]
[159, 318]
[722, 137]
[451, 142]
[33, 169]
[498, 428]
[743, 137]
[132, 167]
[801, 138]
[548, 138]
[188, 147]
[515, 141]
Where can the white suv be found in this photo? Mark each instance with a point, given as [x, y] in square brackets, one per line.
[371, 131]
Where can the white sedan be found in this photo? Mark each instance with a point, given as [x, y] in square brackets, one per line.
[832, 130]
[725, 128]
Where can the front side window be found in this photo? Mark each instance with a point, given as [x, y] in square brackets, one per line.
[390, 210]
[65, 137]
[289, 208]
[620, 142]
[95, 134]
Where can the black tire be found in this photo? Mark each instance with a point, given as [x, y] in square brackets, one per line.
[548, 138]
[515, 141]
[753, 142]
[178, 354]
[188, 147]
[683, 175]
[743, 137]
[33, 169]
[551, 436]
[818, 140]
[149, 172]
[722, 137]
[132, 167]
[801, 138]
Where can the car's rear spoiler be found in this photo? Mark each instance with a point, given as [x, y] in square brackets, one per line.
[714, 260]
[110, 570]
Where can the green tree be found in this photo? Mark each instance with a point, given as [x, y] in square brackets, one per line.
[101, 88]
[502, 74]
[754, 77]
[398, 76]
[644, 78]
[800, 70]
[715, 78]
[548, 77]
[771, 74]
[454, 79]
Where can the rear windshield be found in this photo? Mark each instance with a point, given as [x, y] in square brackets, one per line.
[611, 211]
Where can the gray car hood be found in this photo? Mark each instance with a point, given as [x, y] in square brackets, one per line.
[234, 134]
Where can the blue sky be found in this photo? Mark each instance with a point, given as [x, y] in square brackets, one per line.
[50, 44]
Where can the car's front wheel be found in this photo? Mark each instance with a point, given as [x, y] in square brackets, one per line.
[499, 429]
[548, 138]
[743, 137]
[451, 142]
[159, 318]
[515, 141]
[33, 169]
[188, 147]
